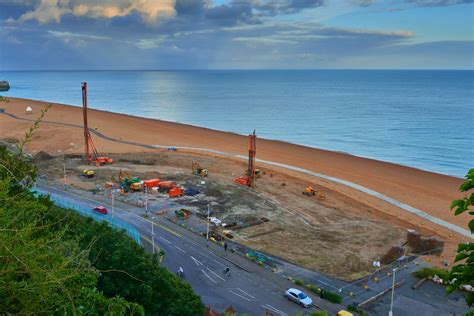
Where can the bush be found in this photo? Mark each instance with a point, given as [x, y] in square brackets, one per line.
[331, 297]
[355, 309]
[299, 282]
[431, 272]
[313, 288]
[320, 313]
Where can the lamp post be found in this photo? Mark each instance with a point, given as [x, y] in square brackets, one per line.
[390, 313]
[146, 201]
[113, 204]
[153, 234]
[207, 234]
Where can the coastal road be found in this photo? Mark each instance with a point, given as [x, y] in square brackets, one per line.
[250, 288]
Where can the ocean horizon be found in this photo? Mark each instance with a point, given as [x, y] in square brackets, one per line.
[418, 118]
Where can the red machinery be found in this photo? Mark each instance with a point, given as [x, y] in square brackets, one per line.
[249, 180]
[90, 147]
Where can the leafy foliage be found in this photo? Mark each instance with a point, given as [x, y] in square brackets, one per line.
[331, 296]
[463, 271]
[299, 282]
[54, 261]
[431, 272]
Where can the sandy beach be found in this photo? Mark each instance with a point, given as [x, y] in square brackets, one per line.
[424, 190]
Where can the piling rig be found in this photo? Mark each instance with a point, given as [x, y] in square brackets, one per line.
[91, 154]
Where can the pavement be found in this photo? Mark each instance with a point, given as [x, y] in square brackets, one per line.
[254, 289]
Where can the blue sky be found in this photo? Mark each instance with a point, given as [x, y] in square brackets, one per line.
[236, 34]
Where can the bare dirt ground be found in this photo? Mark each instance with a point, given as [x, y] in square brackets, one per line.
[338, 235]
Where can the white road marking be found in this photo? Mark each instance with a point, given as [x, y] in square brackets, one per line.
[166, 240]
[249, 295]
[273, 309]
[208, 276]
[245, 298]
[180, 249]
[215, 274]
[196, 261]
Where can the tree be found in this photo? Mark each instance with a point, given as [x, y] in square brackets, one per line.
[463, 271]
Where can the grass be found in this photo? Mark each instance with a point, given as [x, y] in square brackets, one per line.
[431, 272]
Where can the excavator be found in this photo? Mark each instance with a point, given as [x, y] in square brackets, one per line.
[88, 173]
[128, 182]
[310, 191]
[198, 170]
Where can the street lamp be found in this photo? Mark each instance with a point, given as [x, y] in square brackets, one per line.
[113, 205]
[207, 234]
[146, 201]
[153, 234]
[390, 313]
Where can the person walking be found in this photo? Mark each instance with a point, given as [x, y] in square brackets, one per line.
[225, 246]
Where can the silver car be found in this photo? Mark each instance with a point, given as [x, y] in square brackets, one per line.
[298, 297]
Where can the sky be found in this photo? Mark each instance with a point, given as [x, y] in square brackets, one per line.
[236, 34]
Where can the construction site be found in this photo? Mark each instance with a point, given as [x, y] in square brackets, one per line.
[284, 216]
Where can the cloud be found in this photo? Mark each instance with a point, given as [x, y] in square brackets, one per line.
[438, 3]
[151, 11]
[419, 3]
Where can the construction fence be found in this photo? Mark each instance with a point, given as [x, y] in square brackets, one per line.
[86, 210]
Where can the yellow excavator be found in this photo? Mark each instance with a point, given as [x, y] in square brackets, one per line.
[88, 173]
[310, 191]
[198, 170]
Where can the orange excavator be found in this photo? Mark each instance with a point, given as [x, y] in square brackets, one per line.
[249, 179]
[92, 155]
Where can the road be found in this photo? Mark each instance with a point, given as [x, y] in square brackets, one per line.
[250, 288]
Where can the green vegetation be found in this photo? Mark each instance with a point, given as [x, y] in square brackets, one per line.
[431, 272]
[463, 271]
[299, 282]
[355, 309]
[54, 261]
[331, 296]
[320, 313]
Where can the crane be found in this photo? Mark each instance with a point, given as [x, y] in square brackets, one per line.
[92, 155]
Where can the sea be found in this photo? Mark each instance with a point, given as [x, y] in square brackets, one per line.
[422, 119]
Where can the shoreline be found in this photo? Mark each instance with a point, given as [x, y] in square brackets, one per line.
[245, 135]
[427, 191]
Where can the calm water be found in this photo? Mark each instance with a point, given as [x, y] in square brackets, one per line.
[422, 119]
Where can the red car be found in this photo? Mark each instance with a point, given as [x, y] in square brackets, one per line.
[100, 209]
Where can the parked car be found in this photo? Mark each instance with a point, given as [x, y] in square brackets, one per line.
[100, 209]
[298, 297]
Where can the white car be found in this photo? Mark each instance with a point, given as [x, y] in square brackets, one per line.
[298, 297]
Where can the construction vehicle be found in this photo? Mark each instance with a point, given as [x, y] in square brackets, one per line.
[176, 192]
[165, 186]
[88, 173]
[152, 183]
[249, 179]
[91, 155]
[309, 191]
[198, 170]
[125, 181]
